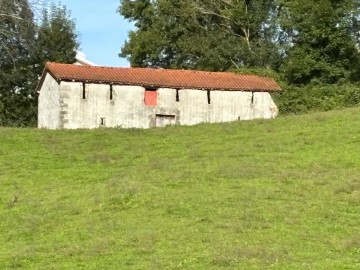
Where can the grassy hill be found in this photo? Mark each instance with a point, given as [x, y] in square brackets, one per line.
[278, 194]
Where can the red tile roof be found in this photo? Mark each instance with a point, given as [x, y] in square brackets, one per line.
[161, 78]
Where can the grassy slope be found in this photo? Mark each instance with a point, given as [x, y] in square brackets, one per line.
[279, 194]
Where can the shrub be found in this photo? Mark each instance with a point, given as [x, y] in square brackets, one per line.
[294, 99]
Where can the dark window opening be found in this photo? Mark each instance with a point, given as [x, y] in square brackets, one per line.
[83, 91]
[252, 97]
[102, 121]
[150, 97]
[111, 92]
[177, 95]
[208, 97]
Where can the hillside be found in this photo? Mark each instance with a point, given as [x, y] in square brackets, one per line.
[278, 194]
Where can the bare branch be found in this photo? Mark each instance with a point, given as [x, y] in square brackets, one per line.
[228, 21]
[237, 66]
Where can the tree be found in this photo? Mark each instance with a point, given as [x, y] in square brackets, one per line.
[251, 23]
[17, 32]
[56, 38]
[209, 35]
[323, 36]
[24, 48]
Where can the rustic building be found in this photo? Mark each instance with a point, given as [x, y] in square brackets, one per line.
[72, 96]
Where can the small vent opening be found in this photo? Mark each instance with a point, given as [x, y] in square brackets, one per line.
[102, 121]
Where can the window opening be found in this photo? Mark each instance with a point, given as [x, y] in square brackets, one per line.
[252, 97]
[83, 91]
[208, 97]
[111, 92]
[177, 95]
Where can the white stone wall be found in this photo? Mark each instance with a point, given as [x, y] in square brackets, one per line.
[76, 109]
[264, 106]
[225, 106]
[193, 106]
[229, 106]
[49, 104]
[128, 110]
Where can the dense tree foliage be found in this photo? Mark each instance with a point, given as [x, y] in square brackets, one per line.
[24, 49]
[57, 38]
[310, 40]
[16, 44]
[311, 45]
[210, 35]
[324, 36]
[250, 24]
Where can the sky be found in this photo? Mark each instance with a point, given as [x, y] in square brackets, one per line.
[102, 31]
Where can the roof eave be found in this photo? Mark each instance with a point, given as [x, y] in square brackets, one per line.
[43, 76]
[155, 86]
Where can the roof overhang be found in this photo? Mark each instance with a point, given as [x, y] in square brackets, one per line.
[159, 78]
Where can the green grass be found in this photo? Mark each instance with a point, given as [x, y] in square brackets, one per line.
[277, 194]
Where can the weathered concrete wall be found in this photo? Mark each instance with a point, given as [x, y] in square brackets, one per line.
[193, 106]
[130, 110]
[71, 97]
[127, 108]
[229, 106]
[264, 106]
[49, 104]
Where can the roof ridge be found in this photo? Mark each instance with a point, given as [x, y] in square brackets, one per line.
[231, 73]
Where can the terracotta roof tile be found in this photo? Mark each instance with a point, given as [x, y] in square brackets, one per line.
[165, 78]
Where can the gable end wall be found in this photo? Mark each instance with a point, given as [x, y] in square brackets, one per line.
[49, 104]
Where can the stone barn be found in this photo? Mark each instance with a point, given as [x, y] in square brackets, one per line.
[72, 96]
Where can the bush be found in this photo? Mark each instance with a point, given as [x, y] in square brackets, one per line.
[294, 99]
